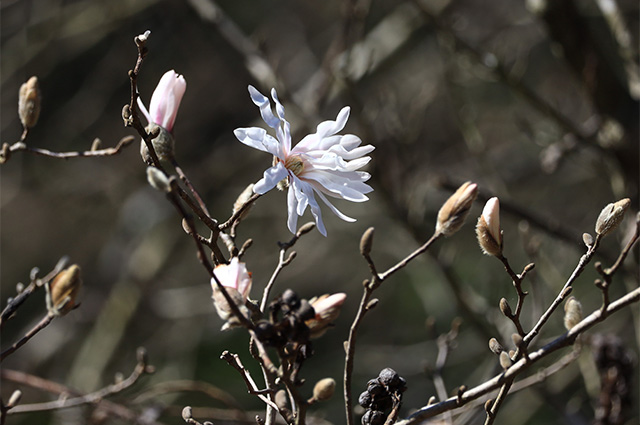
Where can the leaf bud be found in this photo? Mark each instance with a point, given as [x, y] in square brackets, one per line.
[324, 389]
[29, 102]
[505, 360]
[495, 346]
[366, 241]
[517, 339]
[572, 313]
[158, 180]
[14, 399]
[611, 216]
[162, 142]
[505, 308]
[454, 211]
[587, 239]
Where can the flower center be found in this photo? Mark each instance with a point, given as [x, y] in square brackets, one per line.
[295, 164]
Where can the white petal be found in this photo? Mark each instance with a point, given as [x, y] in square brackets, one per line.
[144, 110]
[334, 209]
[262, 102]
[329, 128]
[258, 138]
[315, 208]
[339, 186]
[292, 203]
[270, 178]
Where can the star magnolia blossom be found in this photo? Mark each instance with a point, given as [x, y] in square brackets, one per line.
[323, 163]
[165, 100]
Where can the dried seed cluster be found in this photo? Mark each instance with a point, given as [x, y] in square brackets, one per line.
[383, 393]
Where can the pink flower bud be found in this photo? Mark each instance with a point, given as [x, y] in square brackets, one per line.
[237, 281]
[165, 100]
[327, 308]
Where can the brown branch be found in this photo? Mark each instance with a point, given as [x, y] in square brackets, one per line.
[35, 283]
[366, 304]
[96, 397]
[37, 328]
[22, 147]
[521, 365]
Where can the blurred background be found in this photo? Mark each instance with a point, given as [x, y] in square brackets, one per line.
[535, 101]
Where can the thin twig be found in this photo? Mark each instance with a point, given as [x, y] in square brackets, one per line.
[365, 306]
[35, 283]
[140, 369]
[521, 365]
[22, 147]
[37, 328]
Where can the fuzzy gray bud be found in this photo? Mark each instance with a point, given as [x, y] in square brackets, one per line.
[29, 103]
[611, 216]
[572, 313]
[324, 389]
[454, 211]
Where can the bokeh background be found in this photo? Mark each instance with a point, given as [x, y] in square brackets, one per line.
[535, 101]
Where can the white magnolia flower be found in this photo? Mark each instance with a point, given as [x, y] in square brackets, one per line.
[323, 163]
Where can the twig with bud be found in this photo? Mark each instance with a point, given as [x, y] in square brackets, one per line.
[521, 365]
[23, 293]
[450, 219]
[20, 146]
[283, 262]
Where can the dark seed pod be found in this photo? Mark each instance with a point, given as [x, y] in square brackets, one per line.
[377, 418]
[375, 388]
[365, 399]
[291, 299]
[389, 377]
[305, 311]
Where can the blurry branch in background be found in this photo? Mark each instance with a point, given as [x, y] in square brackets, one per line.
[70, 398]
[23, 293]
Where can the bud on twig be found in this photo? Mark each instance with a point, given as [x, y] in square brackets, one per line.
[587, 239]
[64, 289]
[505, 308]
[488, 228]
[158, 180]
[14, 399]
[611, 216]
[495, 346]
[29, 103]
[572, 313]
[505, 360]
[162, 142]
[454, 211]
[241, 200]
[326, 308]
[366, 241]
[324, 389]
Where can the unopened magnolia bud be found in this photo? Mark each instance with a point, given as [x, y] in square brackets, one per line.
[488, 228]
[611, 216]
[505, 308]
[64, 289]
[366, 241]
[327, 308]
[163, 144]
[505, 360]
[15, 398]
[372, 304]
[572, 313]
[432, 400]
[29, 103]
[241, 200]
[587, 239]
[454, 211]
[324, 389]
[495, 346]
[158, 180]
